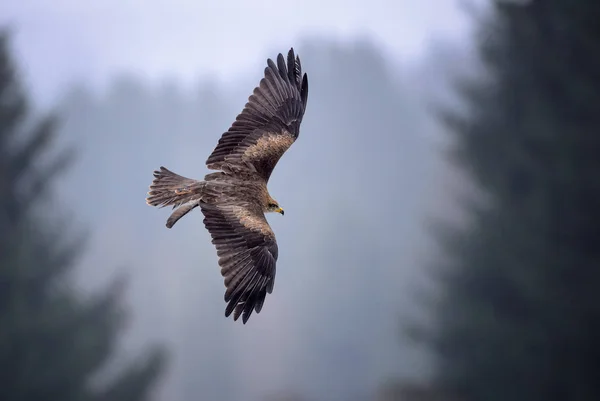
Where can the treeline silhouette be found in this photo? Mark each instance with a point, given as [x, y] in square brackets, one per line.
[55, 343]
[517, 315]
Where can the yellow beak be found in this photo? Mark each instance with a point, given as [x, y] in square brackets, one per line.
[280, 210]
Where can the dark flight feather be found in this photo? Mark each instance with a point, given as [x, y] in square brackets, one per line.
[247, 256]
[275, 108]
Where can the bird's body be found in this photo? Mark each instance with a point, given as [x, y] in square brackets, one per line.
[235, 198]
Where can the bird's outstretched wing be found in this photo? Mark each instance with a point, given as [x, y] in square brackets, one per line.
[247, 252]
[269, 123]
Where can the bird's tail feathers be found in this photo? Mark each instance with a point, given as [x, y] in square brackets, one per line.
[171, 189]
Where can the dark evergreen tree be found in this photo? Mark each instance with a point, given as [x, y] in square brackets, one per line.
[55, 344]
[519, 315]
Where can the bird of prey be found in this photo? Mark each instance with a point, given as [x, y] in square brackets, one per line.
[234, 199]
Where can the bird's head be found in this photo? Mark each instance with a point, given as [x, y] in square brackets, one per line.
[274, 207]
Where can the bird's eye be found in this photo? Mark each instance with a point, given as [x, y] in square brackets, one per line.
[272, 205]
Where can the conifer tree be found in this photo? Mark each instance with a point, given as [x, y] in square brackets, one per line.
[519, 316]
[54, 342]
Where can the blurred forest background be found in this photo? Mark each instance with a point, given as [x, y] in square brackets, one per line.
[440, 240]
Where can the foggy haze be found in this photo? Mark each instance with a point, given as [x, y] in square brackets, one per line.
[356, 187]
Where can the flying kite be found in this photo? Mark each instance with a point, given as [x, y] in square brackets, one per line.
[235, 198]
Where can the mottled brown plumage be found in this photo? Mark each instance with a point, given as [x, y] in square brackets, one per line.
[235, 198]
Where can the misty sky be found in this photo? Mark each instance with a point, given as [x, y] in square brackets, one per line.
[346, 333]
[64, 40]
